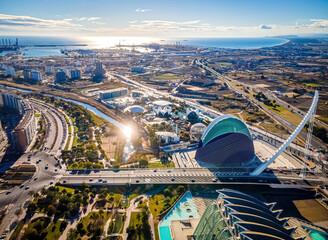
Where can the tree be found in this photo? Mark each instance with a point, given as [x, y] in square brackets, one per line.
[31, 233]
[72, 234]
[143, 163]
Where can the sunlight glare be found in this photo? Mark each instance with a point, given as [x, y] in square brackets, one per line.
[127, 131]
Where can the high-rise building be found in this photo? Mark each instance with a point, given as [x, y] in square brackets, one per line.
[75, 73]
[27, 74]
[60, 76]
[25, 131]
[36, 75]
[10, 71]
[13, 102]
[99, 69]
[49, 69]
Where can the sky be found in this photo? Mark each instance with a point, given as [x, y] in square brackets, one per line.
[164, 19]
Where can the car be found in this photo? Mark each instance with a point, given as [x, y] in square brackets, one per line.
[29, 159]
[51, 183]
[46, 167]
[99, 180]
[169, 171]
[90, 180]
[192, 180]
[214, 180]
[293, 181]
[105, 181]
[231, 179]
[64, 181]
[172, 179]
[260, 180]
[137, 181]
[287, 182]
[155, 170]
[40, 160]
[35, 178]
[56, 169]
[27, 187]
[8, 192]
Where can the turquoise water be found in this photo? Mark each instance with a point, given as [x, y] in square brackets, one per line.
[178, 212]
[317, 235]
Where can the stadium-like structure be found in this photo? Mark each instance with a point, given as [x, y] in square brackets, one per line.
[226, 142]
[236, 215]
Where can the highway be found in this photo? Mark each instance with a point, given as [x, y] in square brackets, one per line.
[56, 124]
[48, 170]
[303, 134]
[187, 176]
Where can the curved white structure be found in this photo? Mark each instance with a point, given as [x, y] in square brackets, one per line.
[289, 140]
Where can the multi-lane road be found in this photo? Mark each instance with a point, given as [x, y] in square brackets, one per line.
[48, 168]
[187, 176]
[315, 142]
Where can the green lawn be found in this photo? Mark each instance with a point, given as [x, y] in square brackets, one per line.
[67, 144]
[40, 223]
[136, 221]
[156, 204]
[117, 223]
[285, 113]
[76, 129]
[90, 219]
[68, 190]
[166, 76]
[159, 164]
[53, 231]
[116, 198]
[311, 85]
[75, 141]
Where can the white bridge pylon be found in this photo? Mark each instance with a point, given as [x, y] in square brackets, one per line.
[290, 139]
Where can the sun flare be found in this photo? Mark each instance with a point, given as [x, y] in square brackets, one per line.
[127, 131]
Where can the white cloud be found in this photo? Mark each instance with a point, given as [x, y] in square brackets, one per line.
[318, 23]
[192, 28]
[87, 18]
[142, 10]
[27, 21]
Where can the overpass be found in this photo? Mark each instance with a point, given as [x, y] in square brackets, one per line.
[185, 176]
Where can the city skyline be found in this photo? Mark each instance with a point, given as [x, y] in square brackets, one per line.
[163, 19]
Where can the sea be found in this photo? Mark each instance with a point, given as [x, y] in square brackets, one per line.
[112, 42]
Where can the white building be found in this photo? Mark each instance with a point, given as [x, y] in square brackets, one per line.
[168, 137]
[10, 71]
[49, 69]
[36, 75]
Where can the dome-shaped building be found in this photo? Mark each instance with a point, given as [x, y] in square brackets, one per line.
[226, 141]
[135, 109]
[197, 130]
